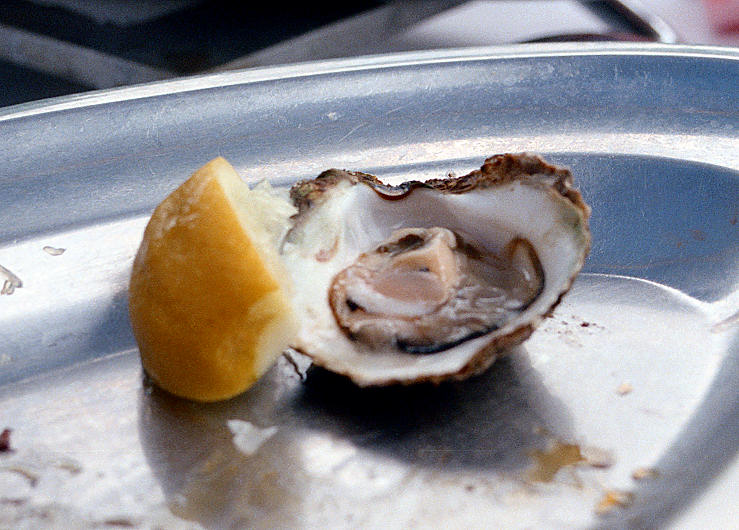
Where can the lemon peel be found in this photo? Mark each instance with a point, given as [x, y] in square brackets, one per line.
[209, 300]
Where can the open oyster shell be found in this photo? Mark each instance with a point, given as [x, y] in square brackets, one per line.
[428, 281]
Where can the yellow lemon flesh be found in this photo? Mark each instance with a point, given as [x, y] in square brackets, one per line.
[208, 299]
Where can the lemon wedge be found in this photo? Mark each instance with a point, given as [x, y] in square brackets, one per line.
[209, 299]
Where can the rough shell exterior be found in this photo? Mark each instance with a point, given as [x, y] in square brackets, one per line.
[496, 170]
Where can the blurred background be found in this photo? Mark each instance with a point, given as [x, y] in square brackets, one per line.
[56, 47]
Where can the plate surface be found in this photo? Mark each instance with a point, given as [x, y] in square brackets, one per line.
[621, 410]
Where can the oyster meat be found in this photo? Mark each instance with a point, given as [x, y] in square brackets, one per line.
[428, 281]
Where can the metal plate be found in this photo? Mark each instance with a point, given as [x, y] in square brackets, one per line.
[637, 370]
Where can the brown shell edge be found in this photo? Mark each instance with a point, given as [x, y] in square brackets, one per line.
[477, 364]
[496, 170]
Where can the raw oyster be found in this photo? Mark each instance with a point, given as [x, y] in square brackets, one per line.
[428, 281]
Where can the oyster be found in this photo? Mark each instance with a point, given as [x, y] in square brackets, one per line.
[428, 281]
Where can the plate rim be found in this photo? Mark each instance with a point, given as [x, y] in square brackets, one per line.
[217, 79]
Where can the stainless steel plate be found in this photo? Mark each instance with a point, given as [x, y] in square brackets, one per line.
[620, 411]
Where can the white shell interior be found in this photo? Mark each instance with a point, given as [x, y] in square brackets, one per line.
[354, 219]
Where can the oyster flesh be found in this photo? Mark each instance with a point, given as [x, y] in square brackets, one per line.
[427, 281]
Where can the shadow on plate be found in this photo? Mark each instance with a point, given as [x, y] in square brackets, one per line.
[339, 443]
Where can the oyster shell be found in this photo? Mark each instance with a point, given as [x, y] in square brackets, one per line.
[428, 281]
